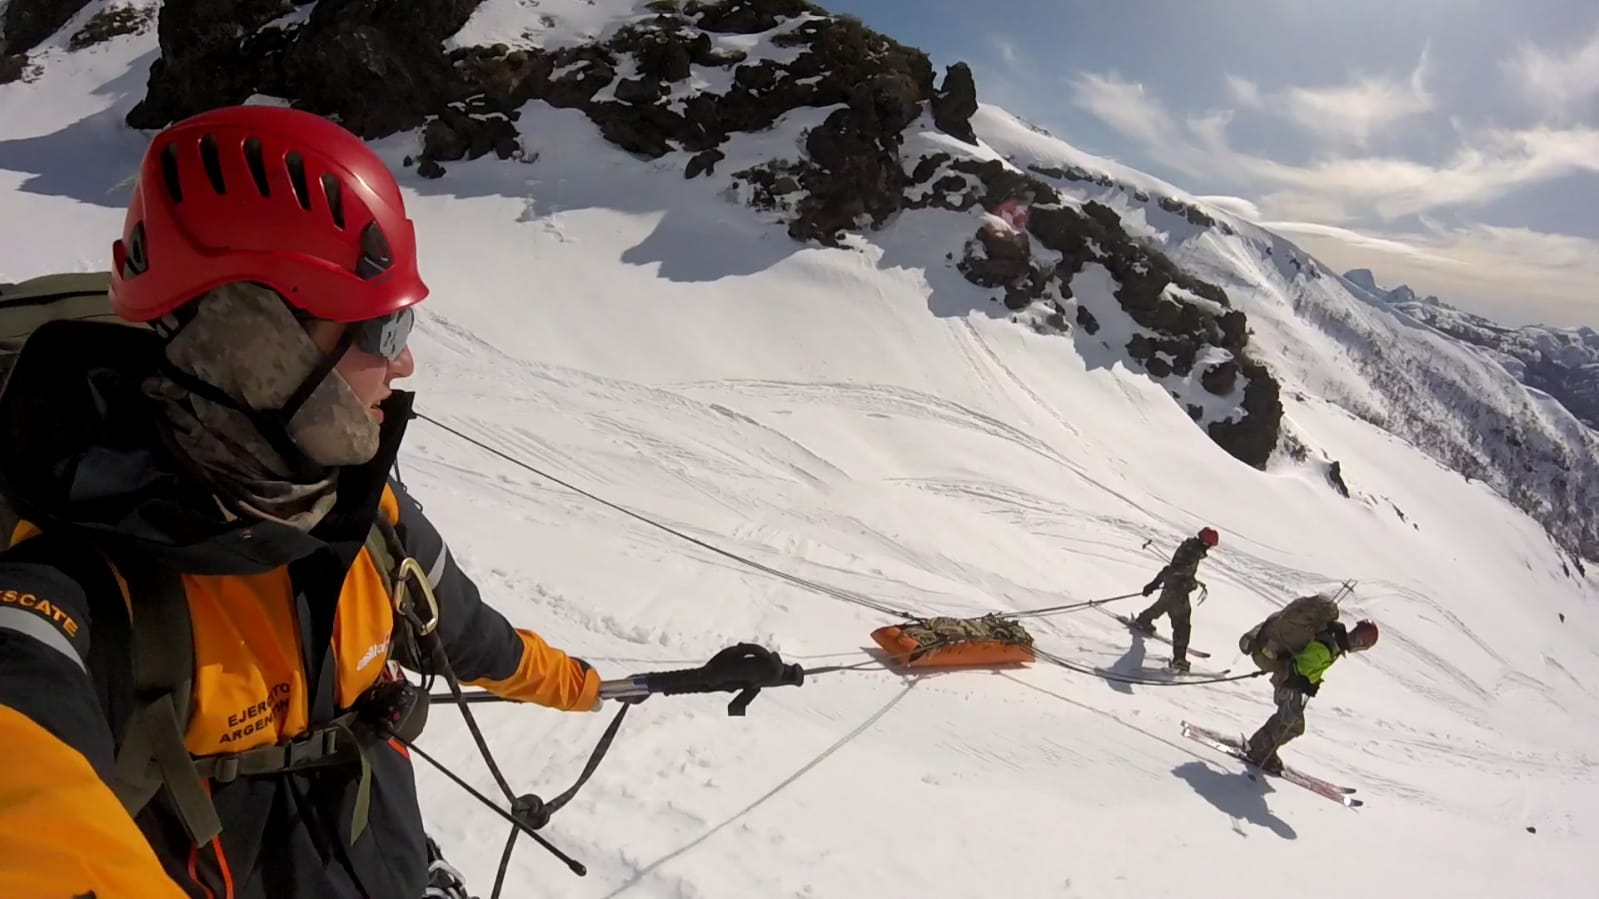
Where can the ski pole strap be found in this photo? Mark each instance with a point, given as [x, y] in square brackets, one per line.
[535, 812]
[744, 669]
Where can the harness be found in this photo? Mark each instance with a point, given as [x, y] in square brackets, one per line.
[152, 753]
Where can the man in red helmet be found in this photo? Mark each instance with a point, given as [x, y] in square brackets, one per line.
[1178, 578]
[1297, 644]
[199, 606]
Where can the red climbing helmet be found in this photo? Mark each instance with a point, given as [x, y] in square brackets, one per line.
[1363, 635]
[1210, 536]
[271, 195]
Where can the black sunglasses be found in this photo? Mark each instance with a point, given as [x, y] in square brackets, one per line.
[385, 335]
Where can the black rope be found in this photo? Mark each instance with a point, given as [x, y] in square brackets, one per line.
[1068, 607]
[835, 592]
[1118, 677]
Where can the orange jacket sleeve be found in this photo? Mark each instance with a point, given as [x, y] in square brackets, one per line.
[483, 648]
[62, 831]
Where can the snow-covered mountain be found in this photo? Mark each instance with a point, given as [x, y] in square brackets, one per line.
[767, 277]
[1562, 362]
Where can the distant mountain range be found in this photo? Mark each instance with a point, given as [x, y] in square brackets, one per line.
[1561, 362]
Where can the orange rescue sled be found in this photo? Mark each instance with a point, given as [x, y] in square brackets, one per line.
[956, 642]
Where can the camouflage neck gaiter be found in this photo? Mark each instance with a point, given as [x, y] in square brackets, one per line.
[245, 342]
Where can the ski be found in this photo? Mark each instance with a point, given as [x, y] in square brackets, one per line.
[1128, 623]
[1172, 673]
[1235, 747]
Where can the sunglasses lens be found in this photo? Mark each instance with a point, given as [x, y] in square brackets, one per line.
[386, 336]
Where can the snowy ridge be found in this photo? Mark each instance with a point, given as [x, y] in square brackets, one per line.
[866, 417]
[1560, 362]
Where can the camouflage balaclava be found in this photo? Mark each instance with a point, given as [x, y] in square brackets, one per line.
[244, 340]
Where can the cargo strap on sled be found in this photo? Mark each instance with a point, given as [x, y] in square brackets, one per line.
[153, 752]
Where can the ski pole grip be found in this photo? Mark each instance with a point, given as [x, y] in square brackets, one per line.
[735, 668]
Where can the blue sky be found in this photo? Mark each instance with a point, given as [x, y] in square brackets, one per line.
[1449, 144]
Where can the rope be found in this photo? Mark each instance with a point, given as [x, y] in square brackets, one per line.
[1068, 607]
[835, 592]
[1143, 681]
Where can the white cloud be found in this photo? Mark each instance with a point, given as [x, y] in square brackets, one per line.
[1514, 275]
[1245, 93]
[1557, 84]
[1487, 165]
[1355, 111]
[1123, 105]
[1233, 206]
[1005, 48]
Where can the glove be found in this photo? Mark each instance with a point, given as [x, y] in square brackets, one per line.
[1148, 589]
[1299, 682]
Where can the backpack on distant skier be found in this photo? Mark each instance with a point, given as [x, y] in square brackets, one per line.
[1290, 629]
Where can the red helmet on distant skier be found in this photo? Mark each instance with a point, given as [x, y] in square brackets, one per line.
[1363, 635]
[270, 195]
[1210, 536]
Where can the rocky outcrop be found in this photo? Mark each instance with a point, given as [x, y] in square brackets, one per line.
[113, 21]
[24, 24]
[956, 103]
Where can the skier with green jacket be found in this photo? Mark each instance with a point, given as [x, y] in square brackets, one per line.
[1297, 645]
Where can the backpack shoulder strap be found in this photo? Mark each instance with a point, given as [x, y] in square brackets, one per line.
[152, 751]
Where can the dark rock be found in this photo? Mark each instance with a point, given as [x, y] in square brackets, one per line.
[704, 163]
[745, 16]
[12, 67]
[639, 91]
[1158, 367]
[1192, 213]
[1001, 259]
[1087, 321]
[1141, 196]
[927, 167]
[579, 88]
[427, 168]
[1220, 379]
[1252, 438]
[24, 24]
[379, 67]
[109, 23]
[1335, 476]
[956, 103]
[203, 62]
[1194, 412]
[761, 76]
[645, 132]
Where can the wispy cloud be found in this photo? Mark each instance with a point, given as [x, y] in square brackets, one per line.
[1488, 164]
[1353, 112]
[1006, 49]
[1560, 85]
[1236, 205]
[1245, 93]
[1515, 275]
[1123, 105]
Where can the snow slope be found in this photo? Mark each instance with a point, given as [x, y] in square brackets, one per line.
[859, 417]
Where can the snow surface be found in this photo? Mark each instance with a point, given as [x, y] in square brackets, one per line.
[863, 418]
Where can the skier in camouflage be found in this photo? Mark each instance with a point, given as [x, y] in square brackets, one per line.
[1178, 580]
[1297, 645]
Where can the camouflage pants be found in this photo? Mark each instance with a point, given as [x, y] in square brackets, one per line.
[1173, 603]
[1287, 723]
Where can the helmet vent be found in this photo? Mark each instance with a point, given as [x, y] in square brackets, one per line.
[169, 173]
[257, 165]
[376, 257]
[335, 196]
[302, 192]
[213, 163]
